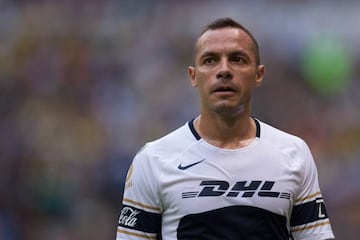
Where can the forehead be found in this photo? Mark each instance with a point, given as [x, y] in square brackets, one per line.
[224, 39]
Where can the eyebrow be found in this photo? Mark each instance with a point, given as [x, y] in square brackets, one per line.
[233, 53]
[207, 53]
[240, 52]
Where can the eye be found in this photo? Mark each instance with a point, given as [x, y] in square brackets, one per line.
[209, 60]
[238, 59]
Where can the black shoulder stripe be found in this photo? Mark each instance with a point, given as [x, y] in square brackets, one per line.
[138, 219]
[308, 212]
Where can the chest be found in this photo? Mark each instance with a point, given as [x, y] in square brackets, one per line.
[203, 180]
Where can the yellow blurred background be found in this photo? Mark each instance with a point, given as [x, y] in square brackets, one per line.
[84, 84]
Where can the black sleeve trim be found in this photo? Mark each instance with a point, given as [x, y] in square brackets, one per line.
[138, 219]
[308, 212]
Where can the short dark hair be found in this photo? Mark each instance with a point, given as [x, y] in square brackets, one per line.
[229, 22]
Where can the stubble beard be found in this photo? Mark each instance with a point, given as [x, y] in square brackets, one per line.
[229, 110]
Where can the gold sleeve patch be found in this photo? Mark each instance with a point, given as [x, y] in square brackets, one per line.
[128, 182]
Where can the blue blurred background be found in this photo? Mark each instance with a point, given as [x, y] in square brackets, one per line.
[84, 84]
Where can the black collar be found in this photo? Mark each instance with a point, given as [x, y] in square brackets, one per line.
[198, 137]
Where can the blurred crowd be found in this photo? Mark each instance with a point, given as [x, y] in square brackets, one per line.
[84, 84]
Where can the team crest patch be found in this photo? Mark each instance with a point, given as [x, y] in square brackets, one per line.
[128, 181]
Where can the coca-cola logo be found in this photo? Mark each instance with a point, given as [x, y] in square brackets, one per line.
[128, 217]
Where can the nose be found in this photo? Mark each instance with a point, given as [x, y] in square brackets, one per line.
[224, 73]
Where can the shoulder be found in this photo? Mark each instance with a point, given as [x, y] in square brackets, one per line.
[294, 149]
[169, 145]
[279, 138]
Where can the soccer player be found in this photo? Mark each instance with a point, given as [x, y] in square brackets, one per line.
[224, 174]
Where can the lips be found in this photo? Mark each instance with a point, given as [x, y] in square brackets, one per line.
[224, 88]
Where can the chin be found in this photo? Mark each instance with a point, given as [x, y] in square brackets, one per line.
[228, 109]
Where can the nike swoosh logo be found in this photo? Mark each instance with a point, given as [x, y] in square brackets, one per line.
[190, 165]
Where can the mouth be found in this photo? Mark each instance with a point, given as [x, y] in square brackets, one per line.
[224, 89]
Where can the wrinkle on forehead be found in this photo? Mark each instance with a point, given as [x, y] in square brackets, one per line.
[233, 37]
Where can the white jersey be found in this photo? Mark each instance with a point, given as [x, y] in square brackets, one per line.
[181, 187]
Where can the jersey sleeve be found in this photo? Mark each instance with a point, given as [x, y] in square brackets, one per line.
[309, 219]
[140, 216]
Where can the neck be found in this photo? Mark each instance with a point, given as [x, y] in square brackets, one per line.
[226, 132]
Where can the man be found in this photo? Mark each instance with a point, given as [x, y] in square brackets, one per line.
[224, 175]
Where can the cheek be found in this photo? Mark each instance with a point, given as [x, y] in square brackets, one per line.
[247, 78]
[200, 80]
[205, 76]
[203, 88]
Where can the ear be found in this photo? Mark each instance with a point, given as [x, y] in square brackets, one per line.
[191, 72]
[259, 75]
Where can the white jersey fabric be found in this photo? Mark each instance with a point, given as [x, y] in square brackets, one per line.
[181, 187]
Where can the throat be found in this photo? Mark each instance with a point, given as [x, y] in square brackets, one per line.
[228, 136]
[231, 144]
